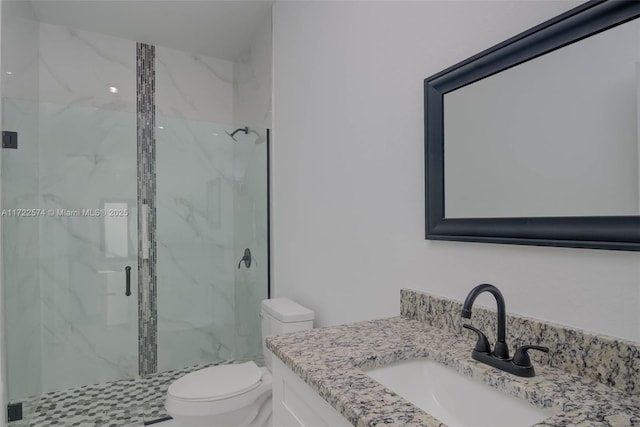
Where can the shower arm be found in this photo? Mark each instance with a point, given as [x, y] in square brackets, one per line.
[233, 134]
[247, 131]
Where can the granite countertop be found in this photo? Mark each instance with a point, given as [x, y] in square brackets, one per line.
[331, 361]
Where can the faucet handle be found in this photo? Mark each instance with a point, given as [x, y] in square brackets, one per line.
[482, 345]
[521, 356]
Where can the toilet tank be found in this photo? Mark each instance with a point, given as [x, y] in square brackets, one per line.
[281, 316]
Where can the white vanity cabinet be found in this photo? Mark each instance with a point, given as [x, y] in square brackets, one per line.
[295, 404]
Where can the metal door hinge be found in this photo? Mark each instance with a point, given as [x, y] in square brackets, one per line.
[14, 411]
[9, 139]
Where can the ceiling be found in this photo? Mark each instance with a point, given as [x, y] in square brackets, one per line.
[221, 29]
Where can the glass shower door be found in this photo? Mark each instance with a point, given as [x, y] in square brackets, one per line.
[69, 319]
[194, 166]
[211, 206]
[88, 163]
[251, 231]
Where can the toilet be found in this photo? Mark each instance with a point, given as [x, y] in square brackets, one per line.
[235, 395]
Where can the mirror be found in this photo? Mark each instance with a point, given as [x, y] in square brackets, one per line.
[536, 140]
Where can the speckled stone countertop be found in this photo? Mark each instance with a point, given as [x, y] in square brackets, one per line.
[331, 360]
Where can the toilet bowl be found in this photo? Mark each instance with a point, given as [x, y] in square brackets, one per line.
[236, 395]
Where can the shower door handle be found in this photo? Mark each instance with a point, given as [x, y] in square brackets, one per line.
[127, 273]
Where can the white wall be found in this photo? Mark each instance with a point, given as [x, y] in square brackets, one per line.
[348, 171]
[252, 79]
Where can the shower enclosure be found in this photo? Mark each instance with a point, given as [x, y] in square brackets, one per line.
[124, 212]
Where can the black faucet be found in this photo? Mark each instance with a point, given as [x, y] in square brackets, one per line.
[498, 358]
[501, 350]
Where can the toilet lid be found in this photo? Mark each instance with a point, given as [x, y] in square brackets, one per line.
[217, 382]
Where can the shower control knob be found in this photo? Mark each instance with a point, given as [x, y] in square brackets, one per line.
[246, 258]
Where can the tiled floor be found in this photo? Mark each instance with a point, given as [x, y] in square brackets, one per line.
[116, 404]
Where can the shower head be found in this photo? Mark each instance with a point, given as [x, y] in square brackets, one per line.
[260, 138]
[233, 134]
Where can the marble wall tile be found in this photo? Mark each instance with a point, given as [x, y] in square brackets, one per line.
[78, 67]
[20, 51]
[611, 361]
[193, 87]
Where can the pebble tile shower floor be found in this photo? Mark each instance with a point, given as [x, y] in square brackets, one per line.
[129, 403]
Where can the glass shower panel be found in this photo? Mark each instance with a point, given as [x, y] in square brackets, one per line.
[66, 300]
[211, 205]
[21, 274]
[195, 252]
[21, 251]
[250, 189]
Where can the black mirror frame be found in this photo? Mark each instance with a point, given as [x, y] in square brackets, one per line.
[595, 232]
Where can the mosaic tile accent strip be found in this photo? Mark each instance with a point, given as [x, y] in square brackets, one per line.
[130, 402]
[333, 360]
[147, 283]
[611, 361]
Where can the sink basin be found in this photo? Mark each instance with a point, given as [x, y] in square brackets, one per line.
[455, 399]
